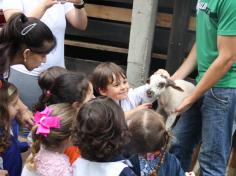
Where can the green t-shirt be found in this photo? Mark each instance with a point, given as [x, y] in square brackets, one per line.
[214, 18]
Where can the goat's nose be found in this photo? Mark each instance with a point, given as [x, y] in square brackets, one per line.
[149, 93]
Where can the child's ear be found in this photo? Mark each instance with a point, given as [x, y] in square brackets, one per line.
[102, 92]
[76, 104]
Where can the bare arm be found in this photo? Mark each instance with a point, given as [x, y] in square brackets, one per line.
[25, 115]
[221, 65]
[38, 12]
[77, 17]
[187, 67]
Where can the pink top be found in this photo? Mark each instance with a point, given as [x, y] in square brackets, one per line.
[51, 163]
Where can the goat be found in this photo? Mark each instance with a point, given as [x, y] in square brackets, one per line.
[169, 94]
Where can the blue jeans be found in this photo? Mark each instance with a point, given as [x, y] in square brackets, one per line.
[212, 122]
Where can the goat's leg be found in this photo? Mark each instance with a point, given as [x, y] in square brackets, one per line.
[170, 121]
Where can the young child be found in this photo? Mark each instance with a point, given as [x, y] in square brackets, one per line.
[110, 80]
[46, 81]
[70, 87]
[150, 141]
[100, 131]
[50, 138]
[10, 147]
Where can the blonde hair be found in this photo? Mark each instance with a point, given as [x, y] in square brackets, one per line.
[67, 114]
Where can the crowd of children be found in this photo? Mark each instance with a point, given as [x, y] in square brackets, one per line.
[77, 134]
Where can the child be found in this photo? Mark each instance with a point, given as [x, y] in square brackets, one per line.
[150, 140]
[10, 147]
[100, 131]
[70, 87]
[50, 137]
[110, 80]
[46, 81]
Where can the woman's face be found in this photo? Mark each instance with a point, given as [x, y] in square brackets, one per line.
[34, 60]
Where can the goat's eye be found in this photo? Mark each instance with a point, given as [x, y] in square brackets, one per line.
[161, 85]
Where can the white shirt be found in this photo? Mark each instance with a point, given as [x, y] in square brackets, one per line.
[135, 98]
[83, 167]
[55, 19]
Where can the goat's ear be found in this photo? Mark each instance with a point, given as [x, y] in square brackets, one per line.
[148, 81]
[172, 84]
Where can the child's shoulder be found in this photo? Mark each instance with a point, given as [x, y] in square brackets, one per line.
[52, 162]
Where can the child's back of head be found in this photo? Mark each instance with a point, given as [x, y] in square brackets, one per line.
[148, 132]
[46, 81]
[53, 127]
[100, 130]
[69, 87]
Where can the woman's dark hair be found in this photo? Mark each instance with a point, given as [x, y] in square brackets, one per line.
[100, 130]
[22, 32]
[68, 88]
[7, 94]
[148, 132]
[46, 81]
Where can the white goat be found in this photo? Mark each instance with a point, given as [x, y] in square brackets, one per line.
[169, 94]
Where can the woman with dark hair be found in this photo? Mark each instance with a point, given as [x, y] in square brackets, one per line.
[100, 131]
[27, 41]
[55, 14]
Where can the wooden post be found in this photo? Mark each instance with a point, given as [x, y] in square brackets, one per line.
[141, 39]
[179, 29]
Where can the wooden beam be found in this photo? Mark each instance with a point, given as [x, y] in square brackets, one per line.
[124, 15]
[107, 48]
[179, 28]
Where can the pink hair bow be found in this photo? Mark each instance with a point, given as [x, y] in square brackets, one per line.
[45, 121]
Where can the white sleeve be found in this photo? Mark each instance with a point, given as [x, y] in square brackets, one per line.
[139, 95]
[68, 7]
[12, 4]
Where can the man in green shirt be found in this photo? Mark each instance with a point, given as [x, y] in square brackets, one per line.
[212, 116]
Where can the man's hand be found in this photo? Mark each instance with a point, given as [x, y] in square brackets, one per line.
[185, 105]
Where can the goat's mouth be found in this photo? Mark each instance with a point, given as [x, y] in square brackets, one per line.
[150, 93]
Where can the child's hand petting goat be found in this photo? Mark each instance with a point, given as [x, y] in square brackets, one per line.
[170, 94]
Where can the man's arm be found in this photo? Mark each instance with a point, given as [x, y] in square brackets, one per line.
[187, 67]
[227, 56]
[38, 12]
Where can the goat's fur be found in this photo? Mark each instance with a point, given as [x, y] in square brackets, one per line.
[169, 94]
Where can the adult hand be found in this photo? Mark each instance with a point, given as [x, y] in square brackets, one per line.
[162, 72]
[3, 173]
[27, 118]
[49, 3]
[185, 105]
[75, 1]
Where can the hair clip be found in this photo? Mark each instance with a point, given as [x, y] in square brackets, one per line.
[48, 93]
[28, 28]
[45, 122]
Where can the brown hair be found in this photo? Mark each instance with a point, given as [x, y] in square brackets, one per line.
[148, 132]
[69, 87]
[66, 113]
[100, 130]
[46, 81]
[104, 74]
[8, 93]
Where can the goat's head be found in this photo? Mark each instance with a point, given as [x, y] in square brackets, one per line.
[158, 84]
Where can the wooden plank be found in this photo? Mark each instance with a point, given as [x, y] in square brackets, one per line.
[107, 48]
[117, 34]
[125, 15]
[178, 38]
